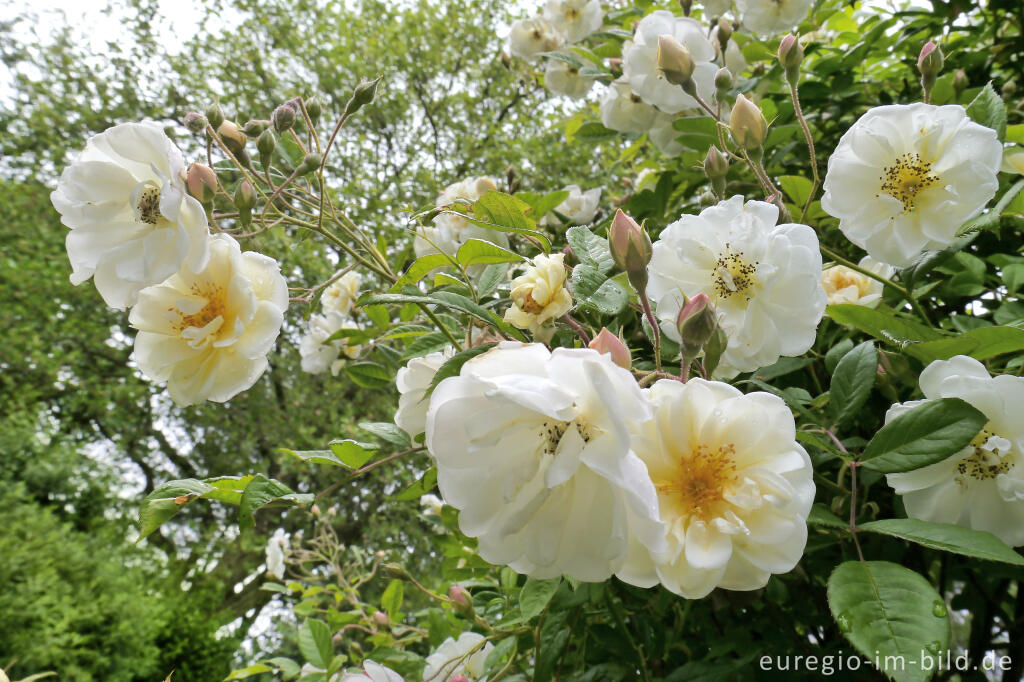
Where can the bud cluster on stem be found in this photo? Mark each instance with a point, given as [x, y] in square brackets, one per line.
[631, 249]
[929, 63]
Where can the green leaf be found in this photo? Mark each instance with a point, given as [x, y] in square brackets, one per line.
[249, 671]
[453, 365]
[352, 454]
[590, 249]
[980, 344]
[989, 110]
[885, 610]
[535, 596]
[882, 324]
[166, 501]
[490, 279]
[797, 188]
[852, 382]
[315, 642]
[391, 600]
[542, 204]
[503, 212]
[480, 252]
[287, 666]
[420, 268]
[588, 131]
[369, 374]
[928, 433]
[947, 538]
[419, 488]
[314, 456]
[821, 516]
[593, 288]
[387, 431]
[262, 491]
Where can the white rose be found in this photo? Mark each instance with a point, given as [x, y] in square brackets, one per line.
[640, 61]
[132, 223]
[320, 355]
[715, 8]
[763, 279]
[207, 334]
[734, 489]
[579, 207]
[664, 135]
[529, 37]
[770, 17]
[342, 293]
[465, 656]
[845, 285]
[533, 447]
[905, 177]
[412, 381]
[563, 78]
[539, 296]
[277, 546]
[625, 111]
[575, 19]
[371, 672]
[449, 231]
[982, 486]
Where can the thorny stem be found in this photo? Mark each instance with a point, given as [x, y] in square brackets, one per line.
[655, 329]
[578, 327]
[794, 94]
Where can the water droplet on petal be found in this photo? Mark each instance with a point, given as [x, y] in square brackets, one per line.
[939, 609]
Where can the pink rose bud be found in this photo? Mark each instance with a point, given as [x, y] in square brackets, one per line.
[201, 182]
[630, 247]
[458, 678]
[606, 342]
[930, 61]
[380, 619]
[696, 323]
[791, 55]
[461, 599]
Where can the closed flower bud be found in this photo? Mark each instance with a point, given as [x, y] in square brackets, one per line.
[723, 83]
[458, 678]
[674, 61]
[215, 115]
[724, 33]
[630, 247]
[791, 55]
[696, 323]
[380, 619]
[686, 6]
[254, 127]
[930, 61]
[314, 107]
[283, 118]
[1009, 89]
[362, 95]
[707, 199]
[716, 166]
[265, 145]
[232, 136]
[960, 82]
[747, 124]
[309, 164]
[195, 122]
[396, 571]
[461, 600]
[201, 182]
[245, 200]
[606, 342]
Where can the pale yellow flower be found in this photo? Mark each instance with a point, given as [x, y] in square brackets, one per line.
[845, 285]
[1013, 160]
[539, 295]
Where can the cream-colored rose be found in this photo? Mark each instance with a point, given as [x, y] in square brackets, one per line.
[845, 285]
[207, 334]
[539, 295]
[342, 293]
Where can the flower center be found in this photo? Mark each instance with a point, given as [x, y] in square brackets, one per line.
[216, 306]
[907, 178]
[148, 205]
[840, 278]
[989, 459]
[552, 432]
[734, 276]
[702, 480]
